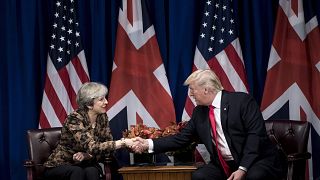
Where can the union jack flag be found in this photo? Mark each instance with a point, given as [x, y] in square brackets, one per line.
[66, 66]
[139, 89]
[293, 79]
[218, 49]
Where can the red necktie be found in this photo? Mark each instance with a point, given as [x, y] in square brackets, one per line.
[215, 139]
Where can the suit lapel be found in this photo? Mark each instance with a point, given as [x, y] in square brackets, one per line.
[224, 111]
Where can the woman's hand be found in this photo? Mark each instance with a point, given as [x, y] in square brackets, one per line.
[122, 143]
[80, 156]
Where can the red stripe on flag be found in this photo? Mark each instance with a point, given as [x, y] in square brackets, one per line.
[294, 6]
[44, 121]
[194, 68]
[55, 101]
[130, 11]
[138, 119]
[215, 66]
[65, 78]
[189, 106]
[236, 62]
[79, 69]
[198, 157]
[314, 45]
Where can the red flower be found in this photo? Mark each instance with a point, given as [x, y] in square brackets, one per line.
[141, 130]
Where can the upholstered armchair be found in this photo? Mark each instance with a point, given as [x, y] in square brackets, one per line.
[41, 142]
[291, 137]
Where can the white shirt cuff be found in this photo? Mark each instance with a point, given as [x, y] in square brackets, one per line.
[150, 142]
[243, 168]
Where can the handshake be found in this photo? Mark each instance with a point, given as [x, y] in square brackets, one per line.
[137, 144]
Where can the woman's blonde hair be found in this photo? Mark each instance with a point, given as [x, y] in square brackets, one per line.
[205, 78]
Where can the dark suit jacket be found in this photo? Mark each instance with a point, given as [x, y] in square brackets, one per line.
[243, 127]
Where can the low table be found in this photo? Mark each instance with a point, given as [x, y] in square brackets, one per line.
[157, 172]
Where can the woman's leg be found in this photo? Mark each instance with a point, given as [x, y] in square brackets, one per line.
[65, 172]
[92, 173]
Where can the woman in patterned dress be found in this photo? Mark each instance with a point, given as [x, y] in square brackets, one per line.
[85, 138]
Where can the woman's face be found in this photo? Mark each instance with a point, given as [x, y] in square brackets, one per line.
[100, 105]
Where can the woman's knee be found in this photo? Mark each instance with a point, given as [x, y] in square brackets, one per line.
[92, 173]
[76, 169]
[76, 173]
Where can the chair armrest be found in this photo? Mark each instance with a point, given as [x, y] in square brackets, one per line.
[292, 158]
[29, 165]
[299, 156]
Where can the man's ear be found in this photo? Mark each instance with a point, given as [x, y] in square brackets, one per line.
[206, 91]
[90, 107]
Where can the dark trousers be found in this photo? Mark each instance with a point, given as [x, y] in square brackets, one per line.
[211, 171]
[259, 171]
[72, 172]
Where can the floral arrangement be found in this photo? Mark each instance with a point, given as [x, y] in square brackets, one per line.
[141, 130]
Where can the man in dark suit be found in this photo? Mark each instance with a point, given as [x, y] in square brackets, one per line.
[231, 127]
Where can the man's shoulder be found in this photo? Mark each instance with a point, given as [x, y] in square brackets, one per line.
[237, 94]
[200, 109]
[236, 98]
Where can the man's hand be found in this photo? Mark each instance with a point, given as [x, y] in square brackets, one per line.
[80, 156]
[140, 145]
[237, 175]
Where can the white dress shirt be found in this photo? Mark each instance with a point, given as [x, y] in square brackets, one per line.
[222, 142]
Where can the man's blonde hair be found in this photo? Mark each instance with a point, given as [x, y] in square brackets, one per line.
[205, 78]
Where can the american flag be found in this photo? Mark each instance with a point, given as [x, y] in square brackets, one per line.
[139, 89]
[66, 66]
[218, 49]
[293, 79]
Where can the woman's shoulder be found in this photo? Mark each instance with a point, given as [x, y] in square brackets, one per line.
[75, 118]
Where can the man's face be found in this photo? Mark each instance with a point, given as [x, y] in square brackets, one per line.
[198, 93]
